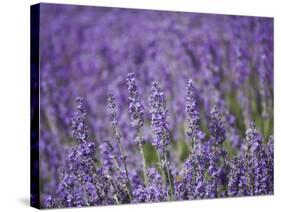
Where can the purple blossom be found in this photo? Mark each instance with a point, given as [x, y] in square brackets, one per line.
[159, 114]
[114, 121]
[261, 163]
[239, 181]
[253, 137]
[136, 109]
[217, 129]
[107, 158]
[191, 184]
[79, 127]
[155, 191]
[192, 111]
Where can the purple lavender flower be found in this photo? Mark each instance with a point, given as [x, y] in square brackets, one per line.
[79, 127]
[82, 182]
[253, 137]
[270, 163]
[113, 111]
[217, 129]
[192, 111]
[192, 184]
[239, 182]
[136, 109]
[161, 140]
[107, 155]
[192, 115]
[155, 191]
[159, 115]
[261, 163]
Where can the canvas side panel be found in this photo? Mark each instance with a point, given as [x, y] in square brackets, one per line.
[34, 105]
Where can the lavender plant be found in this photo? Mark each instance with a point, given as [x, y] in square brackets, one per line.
[189, 106]
[192, 113]
[136, 111]
[117, 136]
[161, 132]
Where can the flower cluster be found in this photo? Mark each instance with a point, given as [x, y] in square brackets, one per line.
[155, 191]
[208, 173]
[159, 115]
[136, 108]
[192, 111]
[217, 128]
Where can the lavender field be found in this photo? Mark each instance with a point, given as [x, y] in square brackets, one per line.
[149, 106]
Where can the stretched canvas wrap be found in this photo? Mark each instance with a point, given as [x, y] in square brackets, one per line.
[138, 106]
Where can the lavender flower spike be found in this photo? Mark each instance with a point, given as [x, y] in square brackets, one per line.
[155, 191]
[261, 163]
[159, 114]
[113, 111]
[136, 108]
[253, 137]
[217, 128]
[79, 127]
[160, 128]
[192, 112]
[136, 111]
[238, 184]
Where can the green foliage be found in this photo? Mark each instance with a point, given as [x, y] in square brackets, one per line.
[151, 157]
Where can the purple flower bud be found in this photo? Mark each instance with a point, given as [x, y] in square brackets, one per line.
[238, 183]
[159, 115]
[136, 109]
[217, 129]
[79, 126]
[192, 111]
[253, 137]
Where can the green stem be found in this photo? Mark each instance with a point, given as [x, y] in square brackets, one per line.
[118, 138]
[141, 149]
[144, 164]
[126, 170]
[192, 143]
[165, 172]
[119, 170]
[169, 178]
